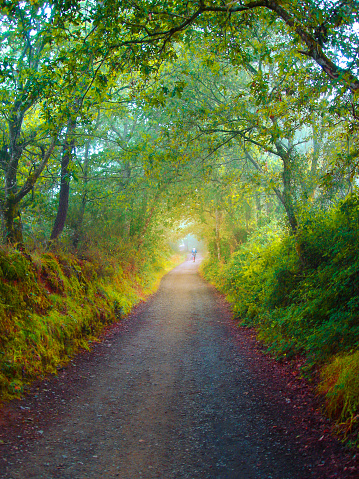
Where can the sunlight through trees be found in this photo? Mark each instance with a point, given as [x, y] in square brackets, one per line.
[122, 121]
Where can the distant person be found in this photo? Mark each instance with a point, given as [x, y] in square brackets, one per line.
[194, 252]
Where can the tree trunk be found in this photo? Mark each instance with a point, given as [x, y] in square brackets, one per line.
[63, 206]
[78, 227]
[247, 214]
[218, 238]
[146, 225]
[149, 218]
[12, 228]
[284, 197]
[258, 208]
[287, 194]
[317, 140]
[127, 225]
[126, 174]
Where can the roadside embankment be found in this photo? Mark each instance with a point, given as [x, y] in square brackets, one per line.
[301, 293]
[52, 304]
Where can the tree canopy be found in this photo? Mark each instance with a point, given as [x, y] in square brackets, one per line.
[136, 114]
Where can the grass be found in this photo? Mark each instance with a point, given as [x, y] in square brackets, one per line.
[340, 386]
[305, 305]
[54, 304]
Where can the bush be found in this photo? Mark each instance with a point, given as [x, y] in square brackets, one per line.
[302, 294]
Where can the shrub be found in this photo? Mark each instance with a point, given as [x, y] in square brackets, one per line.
[302, 295]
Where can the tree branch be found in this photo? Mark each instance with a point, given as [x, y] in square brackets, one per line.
[31, 180]
[315, 50]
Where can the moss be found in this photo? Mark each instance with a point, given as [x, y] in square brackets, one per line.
[52, 305]
[340, 386]
[14, 266]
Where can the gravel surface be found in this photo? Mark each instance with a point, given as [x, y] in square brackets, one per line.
[176, 390]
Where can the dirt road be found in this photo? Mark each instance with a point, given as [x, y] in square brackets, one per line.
[175, 391]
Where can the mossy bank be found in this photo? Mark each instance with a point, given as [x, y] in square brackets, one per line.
[301, 293]
[52, 304]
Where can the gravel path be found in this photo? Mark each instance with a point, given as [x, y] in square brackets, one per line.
[174, 391]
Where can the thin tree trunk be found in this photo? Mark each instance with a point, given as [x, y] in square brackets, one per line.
[259, 208]
[287, 187]
[317, 137]
[78, 228]
[12, 227]
[146, 225]
[218, 238]
[287, 196]
[128, 215]
[127, 225]
[63, 206]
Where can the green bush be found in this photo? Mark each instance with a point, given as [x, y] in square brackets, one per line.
[301, 293]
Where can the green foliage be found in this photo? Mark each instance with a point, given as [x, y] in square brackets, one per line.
[177, 112]
[302, 294]
[340, 385]
[54, 304]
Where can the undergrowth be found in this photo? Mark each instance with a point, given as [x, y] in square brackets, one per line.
[302, 295]
[52, 304]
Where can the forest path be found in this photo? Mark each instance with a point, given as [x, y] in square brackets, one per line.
[175, 391]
